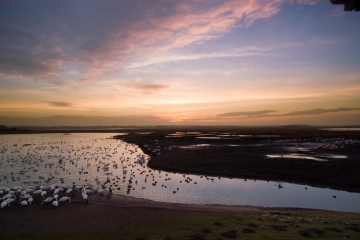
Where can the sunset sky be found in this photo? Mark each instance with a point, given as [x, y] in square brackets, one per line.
[198, 62]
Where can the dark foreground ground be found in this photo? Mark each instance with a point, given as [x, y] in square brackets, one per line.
[123, 217]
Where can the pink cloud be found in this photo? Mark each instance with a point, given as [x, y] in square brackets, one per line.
[308, 2]
[100, 37]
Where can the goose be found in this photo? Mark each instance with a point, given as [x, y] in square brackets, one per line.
[3, 204]
[24, 203]
[68, 191]
[55, 203]
[30, 200]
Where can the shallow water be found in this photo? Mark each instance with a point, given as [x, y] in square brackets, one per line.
[81, 158]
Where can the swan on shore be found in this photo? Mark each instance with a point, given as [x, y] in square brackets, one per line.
[55, 203]
[47, 200]
[64, 199]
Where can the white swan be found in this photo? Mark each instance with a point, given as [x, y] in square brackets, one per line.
[84, 195]
[27, 196]
[48, 199]
[89, 191]
[43, 193]
[37, 192]
[64, 199]
[7, 196]
[9, 200]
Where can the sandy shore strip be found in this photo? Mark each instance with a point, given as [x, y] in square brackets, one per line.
[131, 202]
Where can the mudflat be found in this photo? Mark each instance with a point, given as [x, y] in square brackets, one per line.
[221, 152]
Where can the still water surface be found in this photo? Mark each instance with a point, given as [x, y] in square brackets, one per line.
[93, 158]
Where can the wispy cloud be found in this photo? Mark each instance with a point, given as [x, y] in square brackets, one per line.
[270, 113]
[308, 2]
[318, 111]
[246, 114]
[146, 86]
[236, 52]
[243, 66]
[337, 12]
[59, 104]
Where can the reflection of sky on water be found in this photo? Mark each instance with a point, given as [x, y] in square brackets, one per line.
[195, 146]
[90, 151]
[295, 156]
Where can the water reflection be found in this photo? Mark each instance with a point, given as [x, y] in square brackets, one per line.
[97, 160]
[295, 156]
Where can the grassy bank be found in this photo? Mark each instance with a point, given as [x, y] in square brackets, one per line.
[148, 223]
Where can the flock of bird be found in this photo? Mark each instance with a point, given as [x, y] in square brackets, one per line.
[41, 167]
[26, 196]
